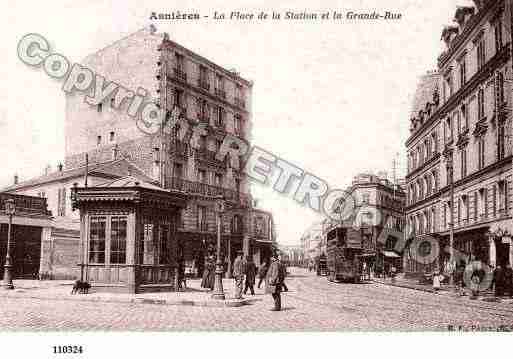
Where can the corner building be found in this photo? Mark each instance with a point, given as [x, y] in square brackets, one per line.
[204, 93]
[460, 146]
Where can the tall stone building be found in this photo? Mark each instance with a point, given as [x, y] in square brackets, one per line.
[200, 93]
[460, 149]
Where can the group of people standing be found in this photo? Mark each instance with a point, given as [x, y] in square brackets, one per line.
[245, 273]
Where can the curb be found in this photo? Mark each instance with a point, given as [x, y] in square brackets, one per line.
[229, 303]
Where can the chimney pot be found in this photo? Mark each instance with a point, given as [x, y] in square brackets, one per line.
[16, 178]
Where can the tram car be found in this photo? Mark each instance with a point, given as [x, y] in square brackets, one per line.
[344, 248]
[321, 265]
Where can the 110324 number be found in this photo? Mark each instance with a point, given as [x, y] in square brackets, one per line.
[68, 349]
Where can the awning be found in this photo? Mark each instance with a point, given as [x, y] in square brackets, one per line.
[390, 254]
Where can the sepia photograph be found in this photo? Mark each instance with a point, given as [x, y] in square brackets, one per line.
[264, 167]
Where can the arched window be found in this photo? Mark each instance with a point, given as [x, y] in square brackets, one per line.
[237, 224]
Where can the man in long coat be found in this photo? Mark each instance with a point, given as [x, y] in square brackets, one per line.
[238, 274]
[250, 276]
[262, 272]
[275, 277]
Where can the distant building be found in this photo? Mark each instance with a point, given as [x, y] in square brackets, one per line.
[460, 139]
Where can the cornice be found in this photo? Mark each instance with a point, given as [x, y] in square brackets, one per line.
[497, 60]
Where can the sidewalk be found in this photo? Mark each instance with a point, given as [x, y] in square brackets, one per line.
[446, 289]
[61, 290]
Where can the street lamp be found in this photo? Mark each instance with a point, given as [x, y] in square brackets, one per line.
[218, 283]
[10, 209]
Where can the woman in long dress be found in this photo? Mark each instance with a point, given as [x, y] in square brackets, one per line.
[207, 280]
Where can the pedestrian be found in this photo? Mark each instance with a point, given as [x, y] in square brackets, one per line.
[498, 280]
[284, 274]
[508, 281]
[274, 281]
[262, 273]
[437, 281]
[208, 274]
[249, 283]
[238, 274]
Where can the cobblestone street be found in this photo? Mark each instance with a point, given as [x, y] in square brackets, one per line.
[312, 303]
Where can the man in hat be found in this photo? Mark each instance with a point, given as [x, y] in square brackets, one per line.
[238, 274]
[275, 277]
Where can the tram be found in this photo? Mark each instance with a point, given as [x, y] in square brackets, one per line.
[344, 248]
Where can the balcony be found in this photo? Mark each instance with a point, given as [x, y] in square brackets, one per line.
[179, 148]
[180, 74]
[239, 102]
[209, 156]
[203, 189]
[202, 83]
[220, 93]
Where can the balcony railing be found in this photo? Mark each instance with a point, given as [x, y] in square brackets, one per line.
[179, 148]
[220, 93]
[240, 102]
[25, 204]
[180, 75]
[204, 84]
[203, 189]
[204, 154]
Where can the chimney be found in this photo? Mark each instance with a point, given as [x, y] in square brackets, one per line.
[16, 178]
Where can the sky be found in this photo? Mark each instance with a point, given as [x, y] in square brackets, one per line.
[331, 97]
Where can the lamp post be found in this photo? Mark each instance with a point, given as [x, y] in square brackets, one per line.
[218, 283]
[10, 209]
[451, 224]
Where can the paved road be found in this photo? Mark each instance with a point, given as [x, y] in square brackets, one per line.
[313, 303]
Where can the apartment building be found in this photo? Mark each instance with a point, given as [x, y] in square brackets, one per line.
[459, 150]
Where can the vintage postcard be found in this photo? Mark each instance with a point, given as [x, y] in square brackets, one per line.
[266, 166]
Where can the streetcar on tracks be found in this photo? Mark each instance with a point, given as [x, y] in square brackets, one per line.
[344, 248]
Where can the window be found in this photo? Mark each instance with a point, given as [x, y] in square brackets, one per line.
[61, 202]
[476, 205]
[503, 197]
[202, 176]
[498, 35]
[463, 70]
[365, 198]
[445, 215]
[163, 244]
[218, 143]
[481, 152]
[148, 252]
[219, 116]
[111, 136]
[179, 61]
[237, 224]
[219, 82]
[237, 185]
[463, 162]
[203, 142]
[494, 200]
[202, 218]
[98, 140]
[118, 225]
[218, 179]
[203, 74]
[448, 130]
[178, 98]
[464, 115]
[237, 125]
[178, 170]
[260, 227]
[501, 149]
[499, 95]
[99, 107]
[481, 55]
[97, 230]
[480, 104]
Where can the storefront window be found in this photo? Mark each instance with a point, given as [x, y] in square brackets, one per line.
[97, 231]
[118, 240]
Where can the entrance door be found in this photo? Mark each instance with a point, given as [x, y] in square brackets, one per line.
[26, 251]
[502, 250]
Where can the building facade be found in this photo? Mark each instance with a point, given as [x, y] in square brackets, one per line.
[202, 94]
[459, 151]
